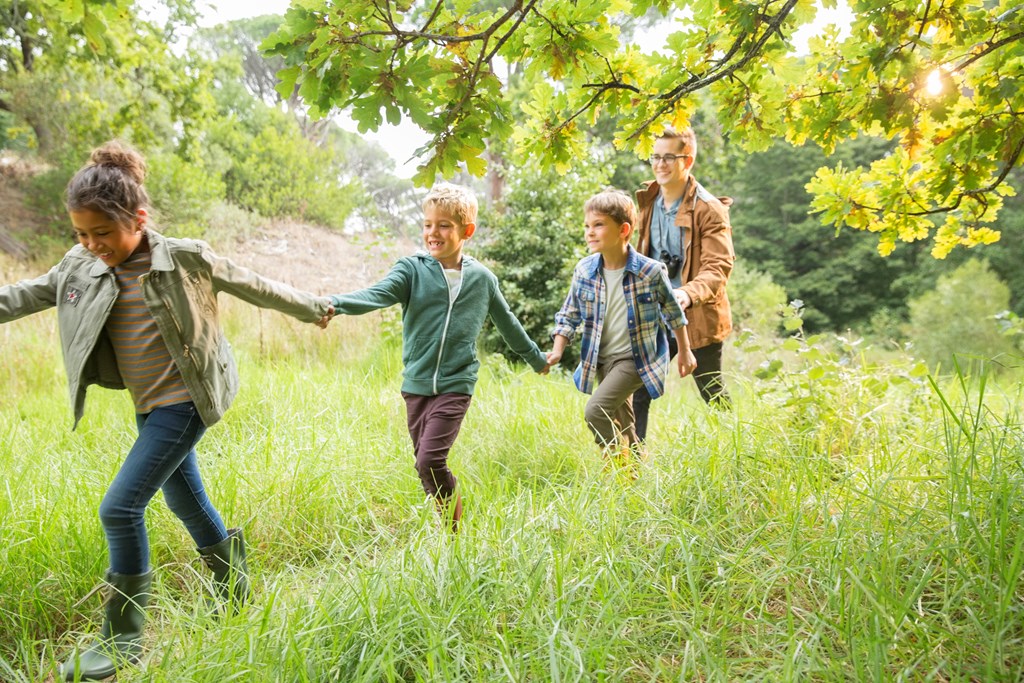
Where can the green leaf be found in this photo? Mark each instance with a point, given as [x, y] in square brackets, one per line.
[919, 370]
[286, 81]
[95, 33]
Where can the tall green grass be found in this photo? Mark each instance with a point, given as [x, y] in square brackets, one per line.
[863, 524]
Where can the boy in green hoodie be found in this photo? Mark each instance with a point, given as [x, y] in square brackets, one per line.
[445, 298]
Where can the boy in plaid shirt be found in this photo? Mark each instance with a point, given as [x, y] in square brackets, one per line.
[620, 298]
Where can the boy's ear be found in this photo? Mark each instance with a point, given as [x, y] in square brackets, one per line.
[625, 230]
[468, 229]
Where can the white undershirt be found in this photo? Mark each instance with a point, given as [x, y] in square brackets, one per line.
[454, 278]
[615, 327]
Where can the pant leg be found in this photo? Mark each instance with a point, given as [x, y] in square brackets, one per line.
[642, 399]
[186, 497]
[708, 376]
[434, 423]
[166, 437]
[609, 412]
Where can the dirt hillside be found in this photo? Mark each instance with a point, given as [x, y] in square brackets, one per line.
[317, 259]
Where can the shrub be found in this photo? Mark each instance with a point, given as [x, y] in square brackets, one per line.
[182, 191]
[958, 317]
[534, 243]
[756, 300]
[277, 172]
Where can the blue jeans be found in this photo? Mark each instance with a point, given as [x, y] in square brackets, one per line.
[163, 457]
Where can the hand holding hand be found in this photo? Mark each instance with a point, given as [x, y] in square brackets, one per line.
[322, 322]
[553, 357]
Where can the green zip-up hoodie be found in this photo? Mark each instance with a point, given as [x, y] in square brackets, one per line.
[180, 291]
[438, 335]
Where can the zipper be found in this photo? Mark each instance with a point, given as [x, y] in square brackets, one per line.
[143, 279]
[447, 320]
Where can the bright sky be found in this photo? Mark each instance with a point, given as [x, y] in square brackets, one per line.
[400, 141]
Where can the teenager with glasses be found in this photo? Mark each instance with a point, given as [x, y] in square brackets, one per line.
[687, 228]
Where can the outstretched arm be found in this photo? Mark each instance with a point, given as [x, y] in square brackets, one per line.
[394, 289]
[511, 330]
[28, 296]
[249, 286]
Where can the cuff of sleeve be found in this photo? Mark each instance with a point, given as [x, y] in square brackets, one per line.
[539, 362]
[566, 332]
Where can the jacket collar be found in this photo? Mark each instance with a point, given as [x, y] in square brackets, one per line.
[647, 194]
[160, 255]
[596, 262]
[424, 255]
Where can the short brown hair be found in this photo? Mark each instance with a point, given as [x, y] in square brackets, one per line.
[455, 200]
[110, 183]
[614, 203]
[685, 136]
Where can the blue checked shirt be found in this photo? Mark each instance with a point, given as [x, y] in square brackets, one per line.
[649, 299]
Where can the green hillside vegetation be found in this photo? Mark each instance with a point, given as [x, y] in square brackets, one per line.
[851, 520]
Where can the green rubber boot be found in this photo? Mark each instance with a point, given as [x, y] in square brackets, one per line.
[120, 640]
[230, 570]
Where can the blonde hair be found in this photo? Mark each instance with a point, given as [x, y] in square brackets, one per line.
[686, 136]
[455, 200]
[613, 203]
[110, 183]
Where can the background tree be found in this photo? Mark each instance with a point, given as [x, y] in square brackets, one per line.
[956, 136]
[41, 39]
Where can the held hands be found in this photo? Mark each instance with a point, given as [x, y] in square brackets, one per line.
[687, 363]
[553, 358]
[322, 322]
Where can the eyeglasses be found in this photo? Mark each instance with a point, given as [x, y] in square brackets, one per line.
[667, 158]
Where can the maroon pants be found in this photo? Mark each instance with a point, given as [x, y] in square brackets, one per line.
[434, 422]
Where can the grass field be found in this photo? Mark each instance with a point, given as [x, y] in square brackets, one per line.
[844, 523]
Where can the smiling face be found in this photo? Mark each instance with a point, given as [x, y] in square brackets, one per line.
[605, 236]
[674, 174]
[444, 236]
[110, 241]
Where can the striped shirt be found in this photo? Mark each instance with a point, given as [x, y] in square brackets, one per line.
[142, 356]
[649, 302]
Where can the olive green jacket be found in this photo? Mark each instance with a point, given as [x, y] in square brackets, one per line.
[180, 291]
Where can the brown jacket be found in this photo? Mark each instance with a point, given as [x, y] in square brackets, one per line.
[707, 240]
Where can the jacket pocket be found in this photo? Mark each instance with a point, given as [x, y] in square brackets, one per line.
[419, 358]
[459, 360]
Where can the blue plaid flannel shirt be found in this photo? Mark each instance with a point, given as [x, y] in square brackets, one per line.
[649, 301]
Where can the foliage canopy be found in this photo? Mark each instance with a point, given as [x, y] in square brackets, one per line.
[940, 80]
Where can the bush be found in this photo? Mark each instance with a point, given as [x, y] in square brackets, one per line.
[755, 300]
[534, 243]
[959, 317]
[182, 191]
[276, 172]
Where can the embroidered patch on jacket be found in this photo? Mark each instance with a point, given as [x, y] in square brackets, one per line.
[73, 296]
